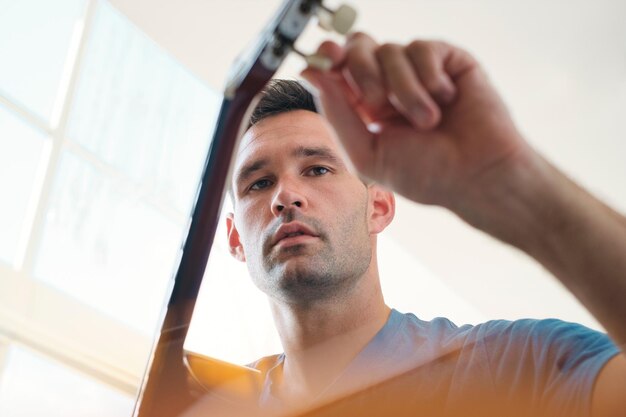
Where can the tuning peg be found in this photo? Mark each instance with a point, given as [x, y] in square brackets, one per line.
[340, 20]
[317, 61]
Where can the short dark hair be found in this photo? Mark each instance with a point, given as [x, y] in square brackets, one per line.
[281, 96]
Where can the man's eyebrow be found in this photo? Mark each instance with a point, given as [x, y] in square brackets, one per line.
[301, 151]
[250, 168]
[318, 151]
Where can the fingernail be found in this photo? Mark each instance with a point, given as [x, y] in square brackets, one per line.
[447, 92]
[421, 116]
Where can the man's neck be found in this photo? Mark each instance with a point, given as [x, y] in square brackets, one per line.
[322, 338]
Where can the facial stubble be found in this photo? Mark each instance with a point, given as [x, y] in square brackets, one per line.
[326, 268]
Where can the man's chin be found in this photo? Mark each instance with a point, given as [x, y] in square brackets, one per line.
[297, 270]
[302, 286]
[292, 254]
[295, 266]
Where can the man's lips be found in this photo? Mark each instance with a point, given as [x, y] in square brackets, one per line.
[293, 232]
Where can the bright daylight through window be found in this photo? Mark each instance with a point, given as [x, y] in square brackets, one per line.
[100, 154]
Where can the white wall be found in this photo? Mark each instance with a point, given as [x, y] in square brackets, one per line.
[561, 66]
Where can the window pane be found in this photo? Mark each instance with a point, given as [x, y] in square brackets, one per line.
[141, 112]
[33, 385]
[23, 152]
[35, 38]
[106, 246]
[232, 320]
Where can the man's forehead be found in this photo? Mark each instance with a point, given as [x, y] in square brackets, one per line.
[288, 133]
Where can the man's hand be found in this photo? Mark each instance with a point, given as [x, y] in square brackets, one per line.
[438, 131]
[442, 136]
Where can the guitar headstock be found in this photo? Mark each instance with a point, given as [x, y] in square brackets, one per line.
[263, 58]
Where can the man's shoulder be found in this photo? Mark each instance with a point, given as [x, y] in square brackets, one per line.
[538, 331]
[550, 328]
[522, 334]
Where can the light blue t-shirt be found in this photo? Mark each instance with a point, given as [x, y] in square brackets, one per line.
[549, 366]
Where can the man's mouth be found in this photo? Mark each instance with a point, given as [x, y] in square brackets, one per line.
[292, 234]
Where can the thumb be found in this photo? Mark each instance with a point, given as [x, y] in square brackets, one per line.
[340, 109]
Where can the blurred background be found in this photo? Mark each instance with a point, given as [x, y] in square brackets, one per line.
[106, 113]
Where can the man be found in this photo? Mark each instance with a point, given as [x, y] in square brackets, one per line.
[422, 120]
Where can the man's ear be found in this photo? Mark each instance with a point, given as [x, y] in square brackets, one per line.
[234, 243]
[382, 208]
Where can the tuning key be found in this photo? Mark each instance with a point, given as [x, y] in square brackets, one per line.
[340, 20]
[317, 61]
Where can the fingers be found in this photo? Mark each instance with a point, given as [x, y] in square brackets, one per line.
[418, 79]
[333, 51]
[428, 59]
[406, 91]
[393, 86]
[363, 71]
[339, 108]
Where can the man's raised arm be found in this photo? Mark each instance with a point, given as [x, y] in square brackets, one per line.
[424, 120]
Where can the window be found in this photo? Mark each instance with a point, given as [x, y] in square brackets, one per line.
[35, 35]
[100, 154]
[24, 150]
[33, 384]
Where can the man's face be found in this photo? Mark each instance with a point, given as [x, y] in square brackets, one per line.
[301, 217]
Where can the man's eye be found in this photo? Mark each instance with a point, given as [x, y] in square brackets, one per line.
[261, 184]
[317, 171]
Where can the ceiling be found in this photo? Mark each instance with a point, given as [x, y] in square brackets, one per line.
[560, 65]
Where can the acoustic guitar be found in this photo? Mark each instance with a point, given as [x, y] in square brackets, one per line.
[174, 381]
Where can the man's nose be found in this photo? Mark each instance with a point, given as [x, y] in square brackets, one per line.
[288, 196]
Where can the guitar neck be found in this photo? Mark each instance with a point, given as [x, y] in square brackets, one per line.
[166, 383]
[166, 389]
